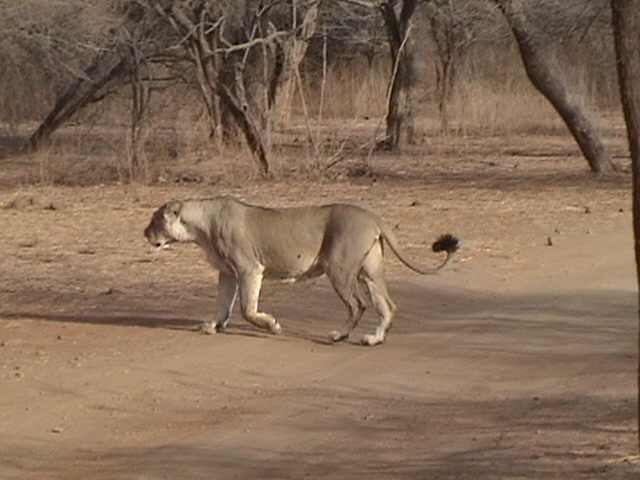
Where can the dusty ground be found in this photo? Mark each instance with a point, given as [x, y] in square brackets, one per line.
[518, 362]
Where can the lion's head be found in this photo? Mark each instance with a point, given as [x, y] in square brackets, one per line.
[167, 226]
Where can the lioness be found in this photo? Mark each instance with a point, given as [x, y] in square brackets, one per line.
[247, 243]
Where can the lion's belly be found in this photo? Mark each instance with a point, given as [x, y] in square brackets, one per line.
[292, 268]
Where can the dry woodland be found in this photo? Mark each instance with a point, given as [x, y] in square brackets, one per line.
[517, 361]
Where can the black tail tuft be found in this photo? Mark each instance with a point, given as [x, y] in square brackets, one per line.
[446, 243]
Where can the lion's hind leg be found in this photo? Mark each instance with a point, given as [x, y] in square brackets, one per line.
[372, 276]
[346, 288]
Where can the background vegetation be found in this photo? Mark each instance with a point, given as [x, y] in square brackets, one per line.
[469, 81]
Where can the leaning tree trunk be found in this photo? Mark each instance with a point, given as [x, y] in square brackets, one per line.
[105, 72]
[400, 116]
[236, 104]
[289, 54]
[626, 29]
[220, 75]
[543, 76]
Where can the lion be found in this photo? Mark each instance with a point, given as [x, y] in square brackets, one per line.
[248, 243]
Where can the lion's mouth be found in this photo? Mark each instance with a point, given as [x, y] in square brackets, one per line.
[160, 244]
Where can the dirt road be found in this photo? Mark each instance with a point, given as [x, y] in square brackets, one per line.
[518, 362]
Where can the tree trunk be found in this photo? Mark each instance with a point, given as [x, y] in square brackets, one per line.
[442, 32]
[288, 56]
[535, 57]
[626, 29]
[400, 116]
[248, 126]
[106, 70]
[140, 96]
[219, 75]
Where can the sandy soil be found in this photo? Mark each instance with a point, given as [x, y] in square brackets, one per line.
[517, 362]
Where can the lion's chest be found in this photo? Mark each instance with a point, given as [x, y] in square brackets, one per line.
[216, 261]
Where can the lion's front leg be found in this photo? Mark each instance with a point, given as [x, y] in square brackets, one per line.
[227, 293]
[250, 285]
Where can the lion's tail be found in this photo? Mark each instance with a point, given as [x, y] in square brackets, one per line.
[445, 243]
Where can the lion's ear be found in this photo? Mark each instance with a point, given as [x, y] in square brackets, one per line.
[172, 211]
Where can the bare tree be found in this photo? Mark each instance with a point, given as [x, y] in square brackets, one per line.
[43, 45]
[243, 53]
[626, 28]
[353, 28]
[218, 40]
[400, 115]
[97, 82]
[117, 61]
[446, 39]
[455, 26]
[238, 52]
[288, 55]
[536, 57]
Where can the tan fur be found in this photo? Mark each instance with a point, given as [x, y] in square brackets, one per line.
[247, 243]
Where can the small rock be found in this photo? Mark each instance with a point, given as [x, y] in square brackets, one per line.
[549, 242]
[57, 430]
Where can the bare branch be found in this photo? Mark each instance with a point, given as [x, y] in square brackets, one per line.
[253, 43]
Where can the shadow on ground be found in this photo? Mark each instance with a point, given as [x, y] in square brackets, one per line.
[308, 312]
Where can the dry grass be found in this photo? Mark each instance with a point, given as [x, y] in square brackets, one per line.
[480, 108]
[356, 90]
[175, 146]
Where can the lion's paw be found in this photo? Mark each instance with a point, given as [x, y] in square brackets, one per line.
[276, 329]
[209, 328]
[336, 336]
[371, 340]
